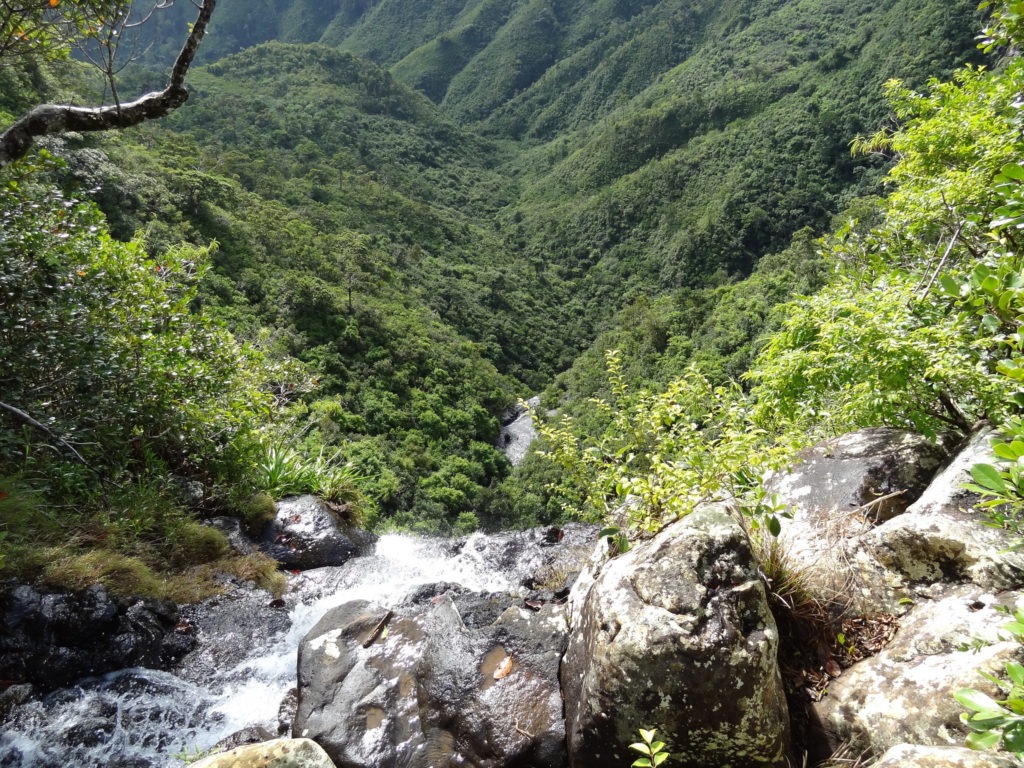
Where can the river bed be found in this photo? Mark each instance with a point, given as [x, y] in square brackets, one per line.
[245, 663]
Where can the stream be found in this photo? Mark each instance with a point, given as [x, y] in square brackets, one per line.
[245, 663]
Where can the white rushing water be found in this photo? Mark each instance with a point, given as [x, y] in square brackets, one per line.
[149, 719]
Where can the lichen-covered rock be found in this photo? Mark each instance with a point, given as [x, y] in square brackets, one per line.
[904, 694]
[880, 469]
[307, 534]
[418, 688]
[917, 756]
[941, 538]
[676, 634]
[839, 491]
[280, 753]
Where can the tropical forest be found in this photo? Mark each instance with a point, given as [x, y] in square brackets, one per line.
[257, 253]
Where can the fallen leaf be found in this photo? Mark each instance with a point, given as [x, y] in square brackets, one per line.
[504, 668]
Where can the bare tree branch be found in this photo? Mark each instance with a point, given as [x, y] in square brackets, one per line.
[24, 418]
[49, 119]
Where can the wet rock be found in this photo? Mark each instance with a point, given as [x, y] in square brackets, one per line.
[537, 557]
[52, 639]
[676, 634]
[281, 753]
[237, 539]
[430, 690]
[13, 696]
[229, 628]
[916, 756]
[904, 694]
[306, 533]
[286, 712]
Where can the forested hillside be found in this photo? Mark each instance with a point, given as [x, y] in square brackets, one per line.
[659, 146]
[404, 215]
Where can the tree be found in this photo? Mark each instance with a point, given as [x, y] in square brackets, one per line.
[48, 27]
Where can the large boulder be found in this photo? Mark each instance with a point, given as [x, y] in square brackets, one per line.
[53, 639]
[941, 537]
[904, 694]
[676, 634]
[280, 753]
[416, 687]
[917, 756]
[306, 534]
[838, 491]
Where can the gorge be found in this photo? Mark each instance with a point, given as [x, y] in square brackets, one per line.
[749, 254]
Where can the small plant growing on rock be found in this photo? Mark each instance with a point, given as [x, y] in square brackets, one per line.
[998, 723]
[653, 752]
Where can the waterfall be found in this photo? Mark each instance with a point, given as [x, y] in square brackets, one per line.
[237, 677]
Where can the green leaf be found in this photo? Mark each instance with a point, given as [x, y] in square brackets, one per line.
[660, 758]
[988, 477]
[1015, 672]
[642, 762]
[986, 721]
[1004, 451]
[1015, 628]
[982, 741]
[1005, 299]
[950, 286]
[976, 700]
[657, 746]
[774, 526]
[648, 736]
[1012, 171]
[1013, 737]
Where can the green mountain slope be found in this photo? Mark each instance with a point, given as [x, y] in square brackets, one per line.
[661, 144]
[352, 223]
[570, 172]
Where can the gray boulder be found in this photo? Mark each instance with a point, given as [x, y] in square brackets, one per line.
[941, 538]
[418, 688]
[838, 492]
[306, 534]
[916, 756]
[676, 634]
[280, 753]
[904, 694]
[52, 639]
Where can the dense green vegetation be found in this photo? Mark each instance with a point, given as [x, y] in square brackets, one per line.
[313, 276]
[918, 326]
